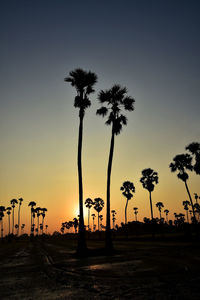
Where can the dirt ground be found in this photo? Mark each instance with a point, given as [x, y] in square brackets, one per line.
[139, 270]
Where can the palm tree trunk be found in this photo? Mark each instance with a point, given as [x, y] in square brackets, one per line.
[18, 220]
[190, 201]
[88, 219]
[9, 223]
[151, 205]
[136, 217]
[31, 222]
[42, 224]
[160, 215]
[37, 225]
[126, 211]
[108, 241]
[81, 234]
[13, 220]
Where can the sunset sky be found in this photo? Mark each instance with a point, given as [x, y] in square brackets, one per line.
[151, 47]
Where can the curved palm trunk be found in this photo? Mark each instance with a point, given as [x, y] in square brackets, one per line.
[81, 233]
[190, 201]
[108, 241]
[126, 211]
[151, 205]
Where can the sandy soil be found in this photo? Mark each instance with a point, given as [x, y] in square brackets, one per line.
[138, 270]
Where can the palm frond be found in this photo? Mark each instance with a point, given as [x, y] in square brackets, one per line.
[102, 111]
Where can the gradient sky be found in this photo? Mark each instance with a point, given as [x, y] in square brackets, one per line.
[151, 47]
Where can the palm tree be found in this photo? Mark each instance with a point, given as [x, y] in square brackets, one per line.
[159, 205]
[75, 223]
[93, 217]
[194, 149]
[181, 163]
[166, 211]
[135, 212]
[2, 209]
[43, 210]
[46, 226]
[98, 206]
[32, 204]
[113, 212]
[127, 187]
[149, 177]
[88, 204]
[83, 82]
[37, 210]
[186, 204]
[20, 203]
[101, 219]
[196, 197]
[13, 202]
[8, 211]
[116, 99]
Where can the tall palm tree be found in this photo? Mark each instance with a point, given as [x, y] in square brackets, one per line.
[148, 179]
[20, 203]
[98, 206]
[166, 211]
[13, 202]
[88, 204]
[126, 188]
[83, 82]
[93, 217]
[186, 205]
[113, 212]
[159, 205]
[43, 213]
[8, 211]
[135, 212]
[32, 204]
[181, 163]
[2, 209]
[115, 99]
[194, 149]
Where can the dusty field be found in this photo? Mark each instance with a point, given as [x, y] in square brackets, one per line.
[138, 270]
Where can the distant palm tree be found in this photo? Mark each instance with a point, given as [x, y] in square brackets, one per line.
[8, 211]
[32, 204]
[83, 82]
[181, 163]
[196, 197]
[126, 188]
[93, 217]
[43, 210]
[135, 212]
[38, 209]
[159, 205]
[75, 223]
[98, 206]
[166, 211]
[113, 212]
[186, 204]
[116, 99]
[20, 200]
[46, 226]
[101, 219]
[88, 204]
[2, 210]
[194, 149]
[13, 202]
[149, 177]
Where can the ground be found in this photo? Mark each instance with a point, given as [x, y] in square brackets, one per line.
[140, 269]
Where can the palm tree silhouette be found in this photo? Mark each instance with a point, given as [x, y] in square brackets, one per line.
[101, 219]
[8, 211]
[98, 206]
[83, 82]
[196, 197]
[46, 226]
[88, 204]
[194, 149]
[20, 203]
[32, 204]
[93, 217]
[135, 212]
[2, 209]
[186, 204]
[37, 210]
[75, 223]
[159, 205]
[181, 163]
[13, 202]
[43, 210]
[127, 187]
[149, 177]
[116, 99]
[166, 211]
[113, 212]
